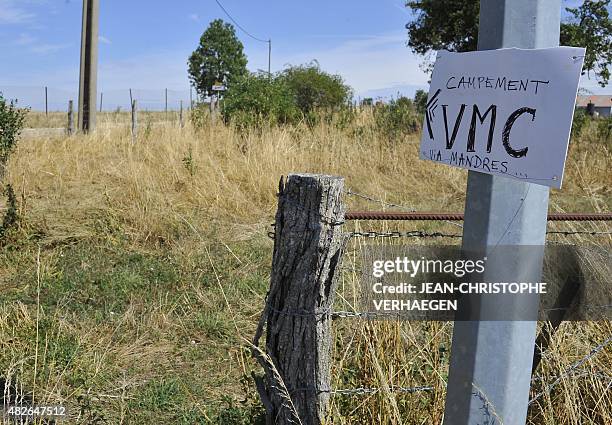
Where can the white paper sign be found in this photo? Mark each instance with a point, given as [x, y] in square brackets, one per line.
[504, 112]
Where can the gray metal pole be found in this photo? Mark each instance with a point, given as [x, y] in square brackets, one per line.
[46, 102]
[166, 107]
[490, 367]
[89, 66]
[101, 100]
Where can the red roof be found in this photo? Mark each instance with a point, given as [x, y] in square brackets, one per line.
[600, 100]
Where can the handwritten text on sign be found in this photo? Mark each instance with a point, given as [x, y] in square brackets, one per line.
[503, 112]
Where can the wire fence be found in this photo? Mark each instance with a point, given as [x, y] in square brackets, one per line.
[576, 370]
[51, 99]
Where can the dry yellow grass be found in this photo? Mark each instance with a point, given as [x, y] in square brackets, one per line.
[171, 173]
[186, 193]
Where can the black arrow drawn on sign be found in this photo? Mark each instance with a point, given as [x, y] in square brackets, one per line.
[432, 104]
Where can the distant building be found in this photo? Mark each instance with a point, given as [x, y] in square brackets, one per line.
[602, 104]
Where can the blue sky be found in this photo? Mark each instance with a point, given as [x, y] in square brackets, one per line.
[145, 44]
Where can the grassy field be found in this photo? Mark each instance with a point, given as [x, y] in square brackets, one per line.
[138, 271]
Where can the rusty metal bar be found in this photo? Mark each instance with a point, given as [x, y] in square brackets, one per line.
[384, 215]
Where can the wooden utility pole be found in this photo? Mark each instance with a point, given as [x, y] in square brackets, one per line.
[308, 247]
[491, 360]
[89, 66]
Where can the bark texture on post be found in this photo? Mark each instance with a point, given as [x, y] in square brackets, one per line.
[308, 247]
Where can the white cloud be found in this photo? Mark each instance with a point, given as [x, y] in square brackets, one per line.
[12, 12]
[104, 40]
[49, 48]
[194, 17]
[24, 39]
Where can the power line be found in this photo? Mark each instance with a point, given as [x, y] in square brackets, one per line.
[240, 26]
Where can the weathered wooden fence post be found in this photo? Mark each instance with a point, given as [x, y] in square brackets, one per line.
[70, 118]
[134, 120]
[308, 247]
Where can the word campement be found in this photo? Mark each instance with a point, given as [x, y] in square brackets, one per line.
[508, 112]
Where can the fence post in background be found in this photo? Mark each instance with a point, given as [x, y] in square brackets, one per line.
[70, 118]
[101, 100]
[181, 123]
[134, 120]
[46, 102]
[166, 107]
[190, 98]
[306, 261]
[89, 65]
[213, 109]
[491, 361]
[131, 98]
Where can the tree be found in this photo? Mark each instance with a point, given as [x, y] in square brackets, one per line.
[314, 88]
[443, 25]
[453, 25]
[218, 58]
[420, 101]
[256, 99]
[11, 123]
[590, 26]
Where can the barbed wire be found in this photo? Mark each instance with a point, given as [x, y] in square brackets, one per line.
[397, 234]
[425, 388]
[390, 204]
[345, 314]
[374, 390]
[378, 201]
[570, 369]
[576, 232]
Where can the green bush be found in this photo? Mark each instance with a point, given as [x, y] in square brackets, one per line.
[368, 101]
[604, 129]
[11, 123]
[581, 118]
[397, 119]
[257, 100]
[420, 101]
[315, 89]
[200, 116]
